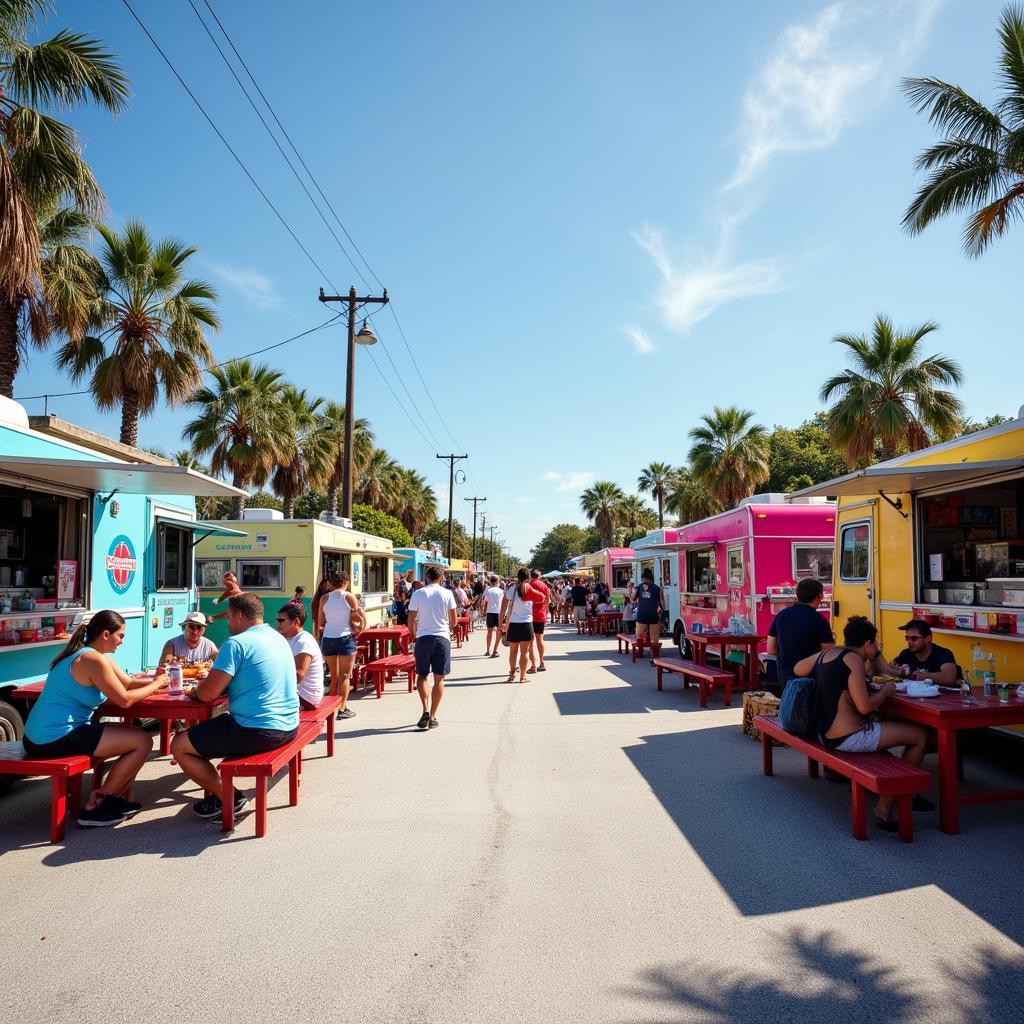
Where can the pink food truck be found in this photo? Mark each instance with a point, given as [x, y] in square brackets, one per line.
[613, 567]
[743, 562]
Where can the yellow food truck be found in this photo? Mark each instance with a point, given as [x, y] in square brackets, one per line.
[938, 535]
[277, 555]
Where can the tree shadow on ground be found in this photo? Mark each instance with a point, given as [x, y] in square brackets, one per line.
[820, 980]
[783, 842]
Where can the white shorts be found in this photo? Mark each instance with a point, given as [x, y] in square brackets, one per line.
[579, 613]
[863, 742]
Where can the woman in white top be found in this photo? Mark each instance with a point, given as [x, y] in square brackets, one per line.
[339, 621]
[517, 618]
[492, 598]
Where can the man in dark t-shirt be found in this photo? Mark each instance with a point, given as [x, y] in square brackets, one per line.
[925, 660]
[800, 630]
[578, 595]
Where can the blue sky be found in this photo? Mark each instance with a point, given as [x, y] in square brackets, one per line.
[595, 225]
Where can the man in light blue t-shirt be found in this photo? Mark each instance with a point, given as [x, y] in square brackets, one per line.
[256, 668]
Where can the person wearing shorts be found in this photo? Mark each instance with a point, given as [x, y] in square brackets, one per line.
[578, 596]
[432, 614]
[492, 606]
[517, 618]
[540, 617]
[648, 609]
[340, 620]
[256, 668]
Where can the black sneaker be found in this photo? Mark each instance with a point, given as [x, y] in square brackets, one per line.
[433, 723]
[424, 720]
[103, 815]
[241, 803]
[345, 713]
[208, 807]
[129, 808]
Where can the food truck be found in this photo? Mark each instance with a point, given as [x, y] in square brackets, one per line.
[743, 562]
[611, 566]
[938, 535]
[416, 560]
[87, 523]
[461, 569]
[271, 556]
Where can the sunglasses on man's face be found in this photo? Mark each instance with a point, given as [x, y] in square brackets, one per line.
[279, 621]
[195, 625]
[911, 639]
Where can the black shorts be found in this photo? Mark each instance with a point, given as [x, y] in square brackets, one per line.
[520, 632]
[538, 628]
[82, 741]
[646, 620]
[433, 655]
[224, 737]
[492, 620]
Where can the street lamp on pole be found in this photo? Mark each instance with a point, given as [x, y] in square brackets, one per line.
[364, 337]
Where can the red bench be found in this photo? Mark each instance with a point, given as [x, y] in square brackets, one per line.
[323, 713]
[637, 644]
[881, 773]
[383, 670]
[262, 768]
[65, 781]
[707, 678]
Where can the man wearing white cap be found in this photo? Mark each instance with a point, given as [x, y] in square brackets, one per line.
[192, 645]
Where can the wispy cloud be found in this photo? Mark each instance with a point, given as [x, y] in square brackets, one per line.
[256, 287]
[820, 76]
[641, 340]
[573, 480]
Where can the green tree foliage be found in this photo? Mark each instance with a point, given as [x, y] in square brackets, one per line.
[437, 533]
[562, 542]
[969, 426]
[380, 524]
[801, 456]
[729, 454]
[601, 503]
[637, 518]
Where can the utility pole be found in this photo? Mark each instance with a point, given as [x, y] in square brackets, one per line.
[476, 501]
[452, 459]
[365, 337]
[493, 566]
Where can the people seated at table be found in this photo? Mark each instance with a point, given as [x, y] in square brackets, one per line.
[340, 621]
[81, 678]
[192, 644]
[256, 668]
[924, 659]
[845, 709]
[603, 606]
[309, 661]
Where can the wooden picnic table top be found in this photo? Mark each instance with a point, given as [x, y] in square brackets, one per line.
[949, 711]
[737, 639]
[383, 633]
[159, 705]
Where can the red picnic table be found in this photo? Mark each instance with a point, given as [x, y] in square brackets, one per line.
[947, 714]
[462, 628]
[160, 706]
[747, 642]
[609, 623]
[375, 640]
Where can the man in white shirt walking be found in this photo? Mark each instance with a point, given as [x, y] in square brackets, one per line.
[431, 624]
[492, 606]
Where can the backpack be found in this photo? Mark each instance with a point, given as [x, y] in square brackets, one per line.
[796, 709]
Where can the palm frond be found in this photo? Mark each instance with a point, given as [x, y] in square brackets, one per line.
[953, 111]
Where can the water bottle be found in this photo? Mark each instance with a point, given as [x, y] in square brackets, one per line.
[990, 676]
[174, 679]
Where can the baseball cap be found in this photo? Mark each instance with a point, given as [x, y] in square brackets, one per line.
[198, 617]
[919, 624]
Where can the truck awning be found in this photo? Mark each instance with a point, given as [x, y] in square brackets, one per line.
[679, 545]
[123, 477]
[198, 526]
[909, 479]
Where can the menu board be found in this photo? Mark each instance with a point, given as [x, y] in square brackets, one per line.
[67, 580]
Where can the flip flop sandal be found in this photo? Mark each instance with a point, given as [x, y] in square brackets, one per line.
[511, 677]
[530, 671]
[542, 668]
[887, 826]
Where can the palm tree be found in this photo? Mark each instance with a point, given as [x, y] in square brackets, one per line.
[978, 167]
[309, 459]
[376, 482]
[417, 506]
[244, 426]
[654, 481]
[206, 505]
[689, 498]
[362, 449]
[41, 167]
[601, 503]
[154, 319]
[729, 456]
[889, 395]
[635, 518]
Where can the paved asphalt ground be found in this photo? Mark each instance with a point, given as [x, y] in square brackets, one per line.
[581, 848]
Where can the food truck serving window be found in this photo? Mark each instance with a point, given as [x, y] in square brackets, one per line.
[174, 558]
[621, 576]
[855, 552]
[734, 557]
[375, 575]
[210, 572]
[260, 573]
[812, 561]
[700, 571]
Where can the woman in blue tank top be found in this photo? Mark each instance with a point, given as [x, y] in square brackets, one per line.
[81, 678]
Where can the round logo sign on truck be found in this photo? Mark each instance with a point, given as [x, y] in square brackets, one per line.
[121, 564]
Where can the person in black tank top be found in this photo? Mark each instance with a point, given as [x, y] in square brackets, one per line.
[845, 707]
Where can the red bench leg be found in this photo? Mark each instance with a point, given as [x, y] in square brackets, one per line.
[812, 768]
[74, 794]
[412, 679]
[293, 780]
[906, 818]
[330, 734]
[58, 806]
[704, 687]
[766, 754]
[728, 693]
[261, 806]
[859, 810]
[659, 677]
[165, 737]
[227, 789]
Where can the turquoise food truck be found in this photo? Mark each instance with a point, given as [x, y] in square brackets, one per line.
[87, 523]
[416, 560]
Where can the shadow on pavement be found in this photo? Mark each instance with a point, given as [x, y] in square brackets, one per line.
[836, 983]
[783, 843]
